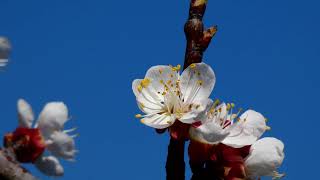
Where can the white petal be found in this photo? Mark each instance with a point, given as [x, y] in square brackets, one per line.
[159, 121]
[161, 76]
[3, 62]
[52, 118]
[266, 155]
[209, 133]
[248, 130]
[62, 145]
[135, 85]
[191, 79]
[147, 99]
[161, 73]
[25, 114]
[196, 112]
[49, 166]
[203, 115]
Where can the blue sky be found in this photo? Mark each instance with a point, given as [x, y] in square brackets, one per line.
[86, 53]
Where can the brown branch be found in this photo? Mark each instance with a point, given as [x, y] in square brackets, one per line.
[198, 40]
[11, 170]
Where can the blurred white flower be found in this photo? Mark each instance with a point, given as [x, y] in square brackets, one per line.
[219, 124]
[5, 49]
[50, 123]
[266, 156]
[165, 96]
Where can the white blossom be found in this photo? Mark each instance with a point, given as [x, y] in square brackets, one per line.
[51, 124]
[165, 96]
[221, 125]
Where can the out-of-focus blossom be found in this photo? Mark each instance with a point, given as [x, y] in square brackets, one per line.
[29, 142]
[5, 49]
[166, 96]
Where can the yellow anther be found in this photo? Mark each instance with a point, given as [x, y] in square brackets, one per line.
[219, 109]
[198, 73]
[145, 82]
[216, 102]
[138, 116]
[142, 121]
[268, 128]
[228, 106]
[164, 93]
[193, 65]
[197, 106]
[200, 82]
[161, 81]
[171, 75]
[139, 88]
[232, 105]
[141, 105]
[178, 67]
[160, 71]
[169, 82]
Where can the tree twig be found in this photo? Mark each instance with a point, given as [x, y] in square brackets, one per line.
[198, 40]
[11, 170]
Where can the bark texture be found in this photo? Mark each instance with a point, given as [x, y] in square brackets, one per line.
[11, 170]
[198, 40]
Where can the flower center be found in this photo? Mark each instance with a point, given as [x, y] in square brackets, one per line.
[26, 143]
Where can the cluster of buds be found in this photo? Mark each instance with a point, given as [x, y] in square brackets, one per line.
[221, 139]
[30, 141]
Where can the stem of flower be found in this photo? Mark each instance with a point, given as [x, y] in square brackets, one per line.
[198, 40]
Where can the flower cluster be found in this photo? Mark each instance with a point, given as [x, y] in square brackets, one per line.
[29, 142]
[216, 132]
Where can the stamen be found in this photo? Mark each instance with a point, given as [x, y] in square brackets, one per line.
[232, 105]
[145, 82]
[277, 175]
[193, 65]
[268, 128]
[70, 130]
[138, 116]
[141, 105]
[75, 136]
[228, 106]
[139, 88]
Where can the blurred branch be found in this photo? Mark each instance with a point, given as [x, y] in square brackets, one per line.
[198, 40]
[11, 170]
